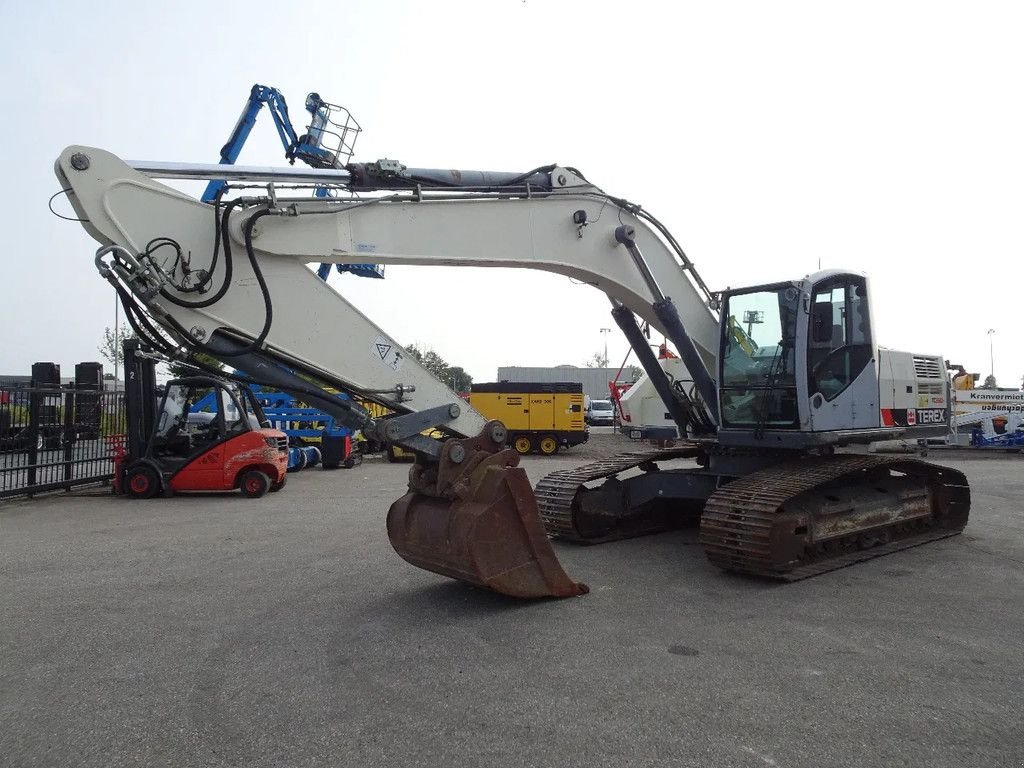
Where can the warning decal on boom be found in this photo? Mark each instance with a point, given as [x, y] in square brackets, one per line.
[387, 352]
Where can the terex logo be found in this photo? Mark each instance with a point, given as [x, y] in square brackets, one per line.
[931, 415]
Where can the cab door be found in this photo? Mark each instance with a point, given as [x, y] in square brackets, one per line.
[842, 357]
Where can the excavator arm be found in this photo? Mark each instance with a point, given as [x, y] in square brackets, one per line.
[569, 228]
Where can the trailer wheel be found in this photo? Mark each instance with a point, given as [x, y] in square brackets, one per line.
[254, 483]
[548, 445]
[303, 461]
[523, 444]
[141, 482]
[314, 457]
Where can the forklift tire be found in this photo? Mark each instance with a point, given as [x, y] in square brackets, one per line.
[354, 460]
[254, 483]
[141, 482]
[523, 444]
[274, 487]
[548, 445]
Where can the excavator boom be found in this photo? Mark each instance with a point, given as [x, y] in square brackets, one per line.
[470, 512]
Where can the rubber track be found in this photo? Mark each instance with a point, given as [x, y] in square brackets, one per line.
[736, 527]
[555, 492]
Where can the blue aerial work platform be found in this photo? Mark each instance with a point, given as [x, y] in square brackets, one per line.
[327, 143]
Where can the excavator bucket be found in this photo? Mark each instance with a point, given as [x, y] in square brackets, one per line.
[486, 532]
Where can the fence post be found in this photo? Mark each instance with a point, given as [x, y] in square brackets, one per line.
[69, 436]
[34, 432]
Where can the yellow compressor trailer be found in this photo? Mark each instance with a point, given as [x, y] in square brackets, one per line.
[539, 417]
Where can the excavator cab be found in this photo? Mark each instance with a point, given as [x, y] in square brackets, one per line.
[798, 362]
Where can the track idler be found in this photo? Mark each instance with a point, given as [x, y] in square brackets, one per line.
[473, 516]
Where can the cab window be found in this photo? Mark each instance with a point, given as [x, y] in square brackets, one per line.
[758, 360]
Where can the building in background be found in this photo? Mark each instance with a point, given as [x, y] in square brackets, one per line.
[594, 380]
[15, 382]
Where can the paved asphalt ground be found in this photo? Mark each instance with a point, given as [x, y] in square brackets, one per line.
[216, 631]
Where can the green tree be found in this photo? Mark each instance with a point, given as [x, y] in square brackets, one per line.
[597, 361]
[453, 375]
[458, 379]
[110, 349]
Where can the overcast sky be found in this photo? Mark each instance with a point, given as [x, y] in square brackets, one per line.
[770, 137]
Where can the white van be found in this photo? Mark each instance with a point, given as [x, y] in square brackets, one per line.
[600, 413]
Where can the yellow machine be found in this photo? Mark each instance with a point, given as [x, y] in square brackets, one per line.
[392, 451]
[396, 453]
[539, 417]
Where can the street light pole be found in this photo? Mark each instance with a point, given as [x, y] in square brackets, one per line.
[991, 355]
[605, 332]
[117, 319]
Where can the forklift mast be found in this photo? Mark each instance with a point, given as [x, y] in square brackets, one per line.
[140, 397]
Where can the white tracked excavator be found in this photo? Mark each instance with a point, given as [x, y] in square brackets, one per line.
[779, 375]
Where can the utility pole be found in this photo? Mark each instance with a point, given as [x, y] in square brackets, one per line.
[605, 332]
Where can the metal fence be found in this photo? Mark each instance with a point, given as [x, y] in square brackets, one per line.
[53, 438]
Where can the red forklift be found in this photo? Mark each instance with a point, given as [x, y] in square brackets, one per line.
[206, 434]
